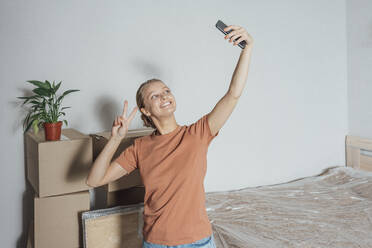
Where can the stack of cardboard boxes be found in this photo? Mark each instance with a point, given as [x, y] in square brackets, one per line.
[57, 171]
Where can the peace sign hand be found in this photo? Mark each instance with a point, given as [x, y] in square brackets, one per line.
[121, 123]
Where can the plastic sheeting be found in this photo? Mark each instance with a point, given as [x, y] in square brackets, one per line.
[333, 209]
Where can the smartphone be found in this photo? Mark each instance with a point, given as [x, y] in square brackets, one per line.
[220, 25]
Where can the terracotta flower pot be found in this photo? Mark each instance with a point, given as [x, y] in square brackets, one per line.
[53, 130]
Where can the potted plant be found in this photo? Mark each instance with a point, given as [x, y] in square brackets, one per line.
[45, 109]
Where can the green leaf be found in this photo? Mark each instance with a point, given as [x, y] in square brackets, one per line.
[35, 102]
[28, 126]
[30, 98]
[26, 119]
[65, 122]
[49, 85]
[39, 84]
[27, 98]
[65, 108]
[35, 126]
[23, 97]
[30, 120]
[57, 87]
[65, 93]
[41, 92]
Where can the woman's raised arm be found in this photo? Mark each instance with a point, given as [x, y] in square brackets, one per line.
[103, 171]
[223, 109]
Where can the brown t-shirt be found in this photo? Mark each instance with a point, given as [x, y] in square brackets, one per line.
[172, 167]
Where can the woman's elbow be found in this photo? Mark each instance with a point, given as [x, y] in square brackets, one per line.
[87, 182]
[91, 183]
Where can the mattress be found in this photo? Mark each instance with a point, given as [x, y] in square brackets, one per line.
[332, 209]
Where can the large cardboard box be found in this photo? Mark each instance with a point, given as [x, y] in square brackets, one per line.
[57, 220]
[58, 167]
[99, 142]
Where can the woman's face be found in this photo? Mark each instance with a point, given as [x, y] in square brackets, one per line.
[159, 100]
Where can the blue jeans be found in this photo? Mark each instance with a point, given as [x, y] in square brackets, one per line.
[207, 242]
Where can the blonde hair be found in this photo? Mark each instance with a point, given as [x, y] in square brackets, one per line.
[141, 102]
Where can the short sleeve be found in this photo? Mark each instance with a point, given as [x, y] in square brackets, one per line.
[201, 128]
[128, 159]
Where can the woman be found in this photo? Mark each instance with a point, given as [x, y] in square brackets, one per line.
[172, 160]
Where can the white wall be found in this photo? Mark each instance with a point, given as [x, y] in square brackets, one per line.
[290, 122]
[359, 67]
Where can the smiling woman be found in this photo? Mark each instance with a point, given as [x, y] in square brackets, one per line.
[157, 105]
[172, 161]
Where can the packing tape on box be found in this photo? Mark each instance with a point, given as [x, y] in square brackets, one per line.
[92, 198]
[140, 222]
[63, 137]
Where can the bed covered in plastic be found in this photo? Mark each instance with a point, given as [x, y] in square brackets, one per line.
[332, 209]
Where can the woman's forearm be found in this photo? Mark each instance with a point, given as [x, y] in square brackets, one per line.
[240, 74]
[102, 162]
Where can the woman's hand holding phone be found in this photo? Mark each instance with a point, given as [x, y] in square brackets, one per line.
[236, 34]
[121, 123]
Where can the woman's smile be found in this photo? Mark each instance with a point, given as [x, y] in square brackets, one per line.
[166, 104]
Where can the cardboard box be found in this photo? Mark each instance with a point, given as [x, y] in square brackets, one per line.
[117, 227]
[128, 196]
[30, 237]
[99, 142]
[57, 220]
[58, 167]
